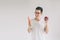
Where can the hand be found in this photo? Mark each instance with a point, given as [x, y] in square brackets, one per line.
[29, 24]
[29, 30]
[29, 21]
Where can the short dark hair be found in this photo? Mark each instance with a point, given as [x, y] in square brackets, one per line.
[39, 8]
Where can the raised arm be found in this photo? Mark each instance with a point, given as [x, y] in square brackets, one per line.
[46, 26]
[29, 25]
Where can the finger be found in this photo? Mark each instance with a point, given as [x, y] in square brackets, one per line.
[29, 21]
[28, 18]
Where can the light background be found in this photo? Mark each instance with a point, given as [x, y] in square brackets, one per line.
[14, 13]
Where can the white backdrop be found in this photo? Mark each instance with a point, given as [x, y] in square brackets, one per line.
[14, 13]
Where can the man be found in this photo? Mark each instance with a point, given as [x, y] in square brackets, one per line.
[35, 25]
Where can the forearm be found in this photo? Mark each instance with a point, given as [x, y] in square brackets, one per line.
[46, 28]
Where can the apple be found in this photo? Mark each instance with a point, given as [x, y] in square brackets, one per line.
[46, 18]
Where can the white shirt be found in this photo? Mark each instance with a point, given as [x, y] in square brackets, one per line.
[37, 29]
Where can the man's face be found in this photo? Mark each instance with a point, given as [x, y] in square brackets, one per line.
[38, 13]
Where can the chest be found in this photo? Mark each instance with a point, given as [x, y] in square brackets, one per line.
[36, 25]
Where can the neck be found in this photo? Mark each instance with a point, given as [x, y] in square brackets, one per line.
[38, 19]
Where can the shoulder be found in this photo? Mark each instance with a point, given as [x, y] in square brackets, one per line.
[42, 22]
[32, 21]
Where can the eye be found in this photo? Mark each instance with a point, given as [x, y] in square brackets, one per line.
[37, 12]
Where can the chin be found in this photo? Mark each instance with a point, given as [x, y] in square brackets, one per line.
[37, 17]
